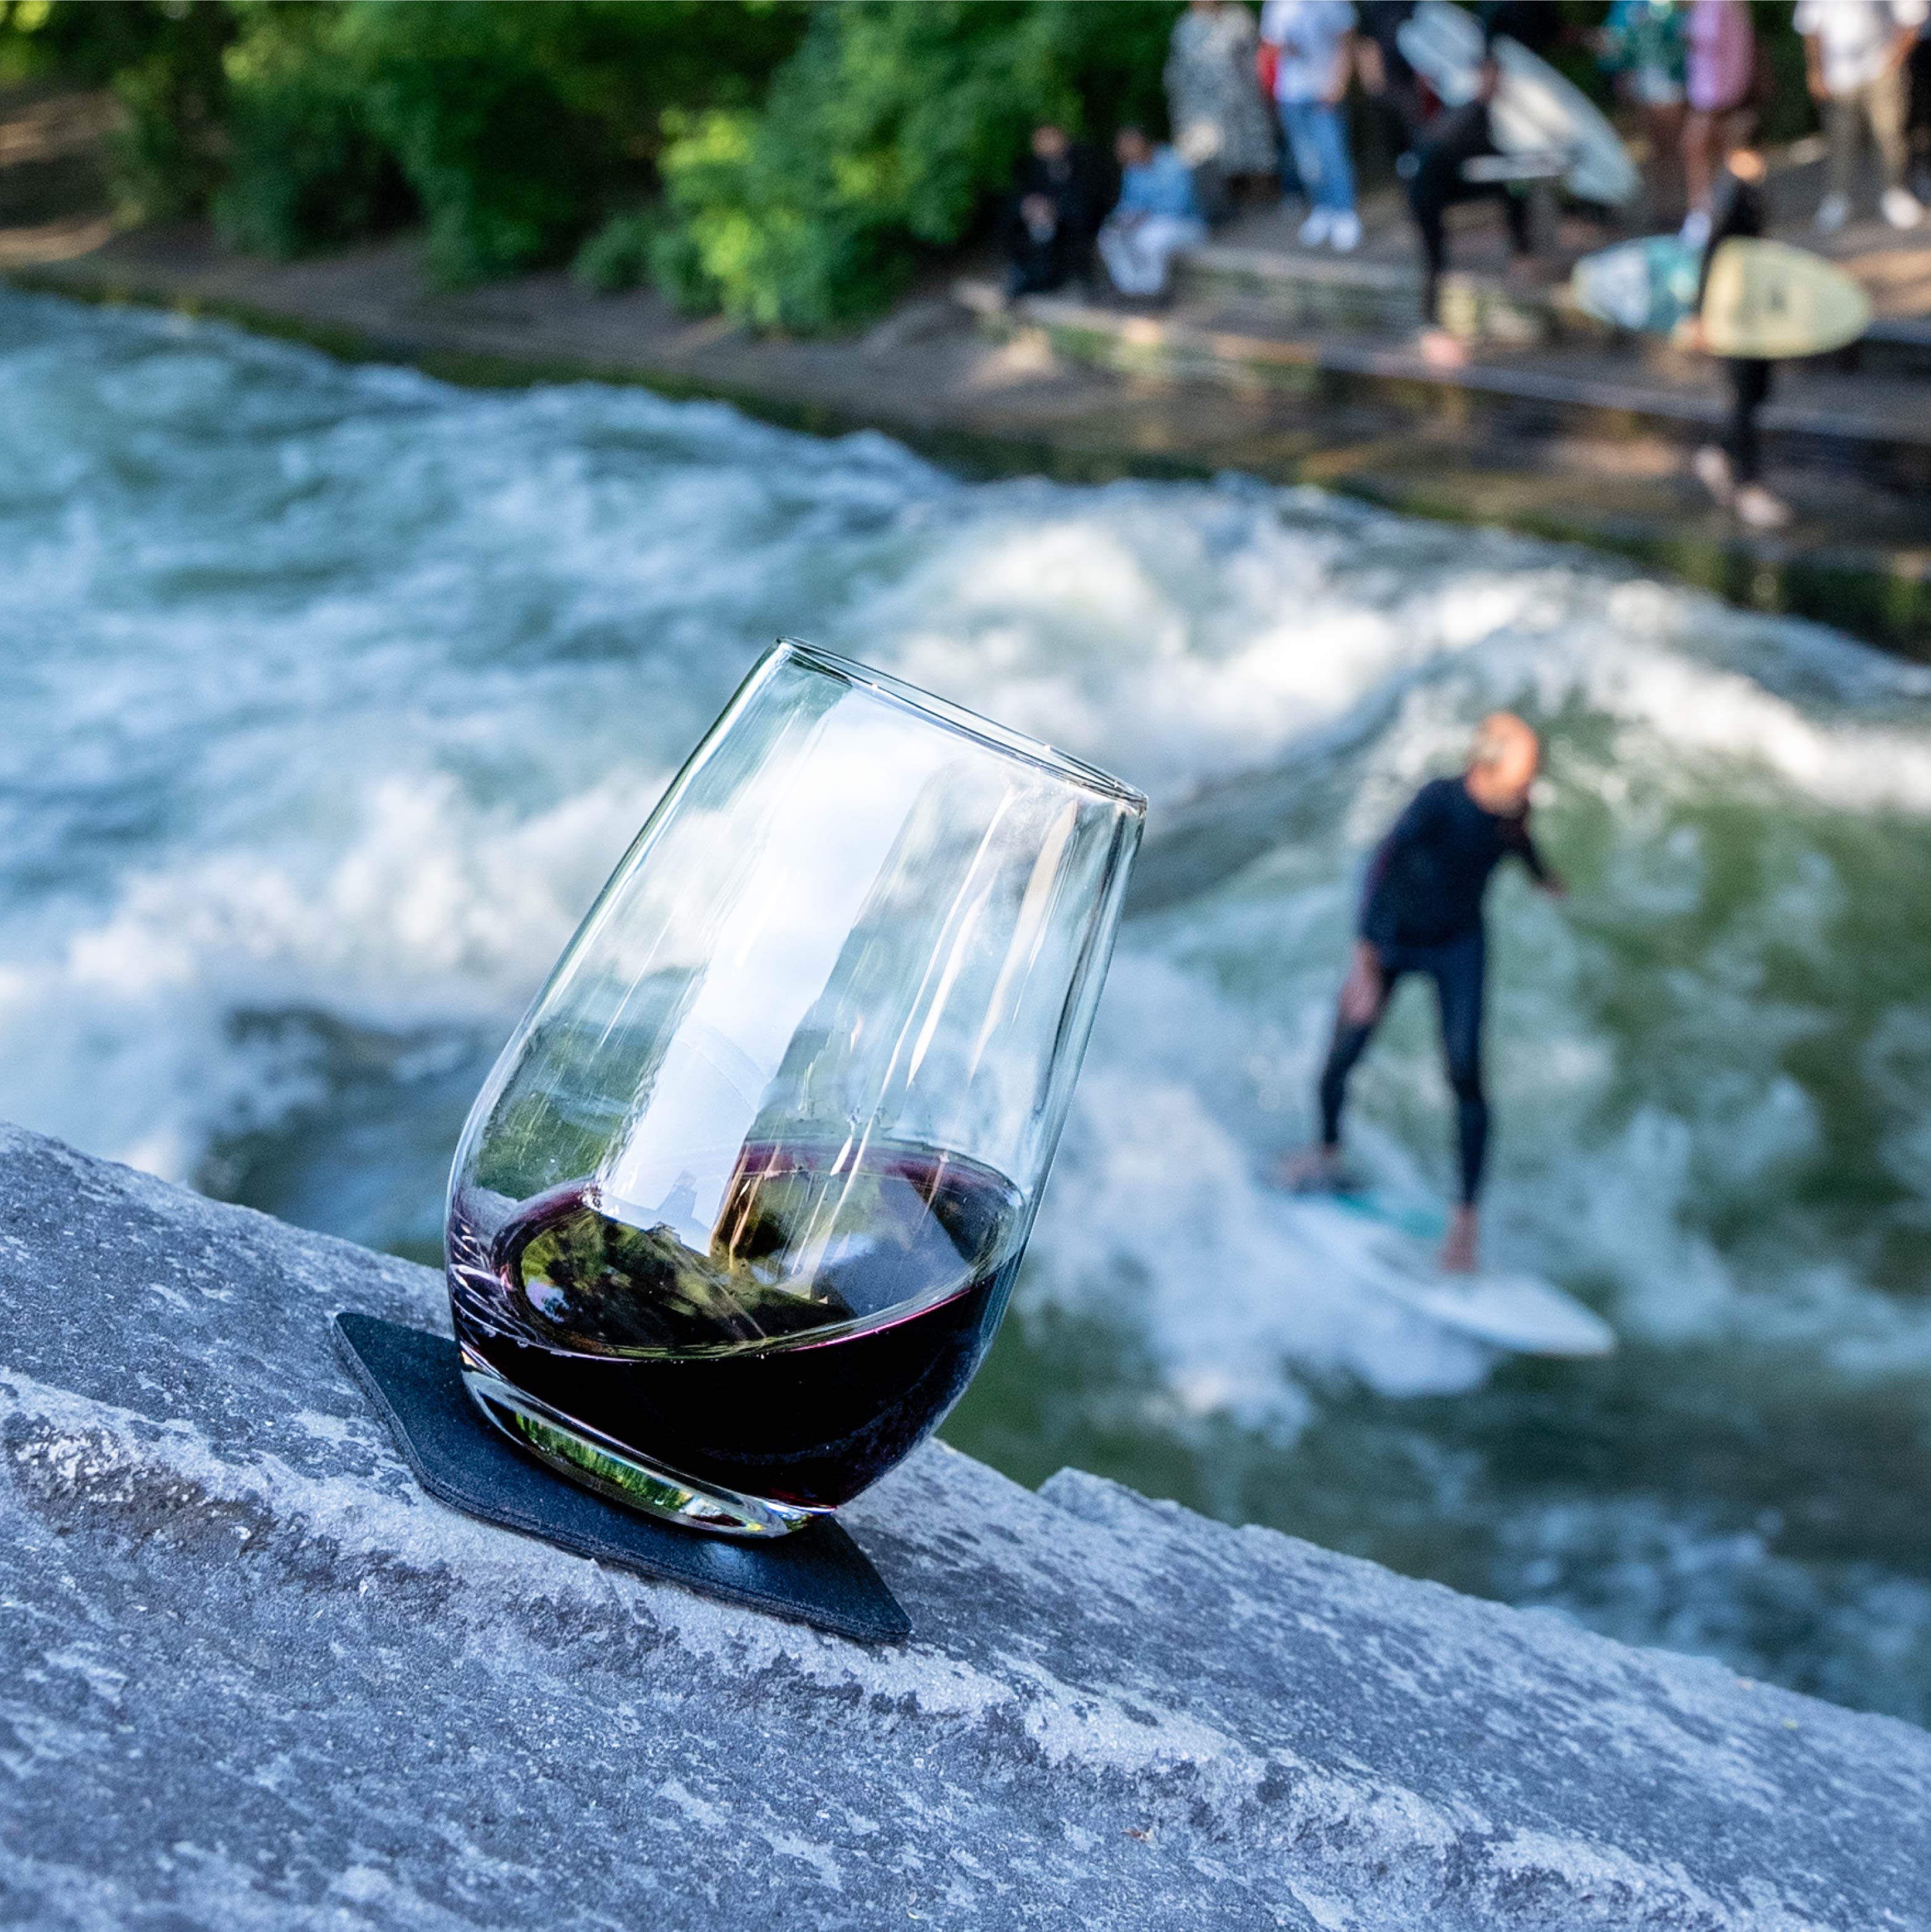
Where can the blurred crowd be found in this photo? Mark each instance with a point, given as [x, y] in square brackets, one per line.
[1260, 107]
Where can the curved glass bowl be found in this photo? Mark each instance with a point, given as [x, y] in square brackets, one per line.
[735, 1215]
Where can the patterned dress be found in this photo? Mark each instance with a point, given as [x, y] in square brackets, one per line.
[1214, 94]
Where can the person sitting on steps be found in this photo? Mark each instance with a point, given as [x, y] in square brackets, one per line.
[1421, 912]
[1157, 214]
[1052, 215]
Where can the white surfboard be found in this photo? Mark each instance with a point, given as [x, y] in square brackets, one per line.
[1384, 1244]
[1534, 109]
[1443, 43]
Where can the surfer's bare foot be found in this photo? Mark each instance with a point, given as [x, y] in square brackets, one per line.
[1458, 1246]
[1440, 350]
[1314, 1170]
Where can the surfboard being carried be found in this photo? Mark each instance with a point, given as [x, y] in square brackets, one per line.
[1534, 109]
[1768, 299]
[1647, 286]
[1764, 298]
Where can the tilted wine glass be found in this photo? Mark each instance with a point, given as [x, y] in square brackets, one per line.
[735, 1215]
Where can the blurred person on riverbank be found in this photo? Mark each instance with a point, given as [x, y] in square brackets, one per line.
[1221, 122]
[1641, 45]
[1051, 214]
[1732, 471]
[1719, 78]
[1917, 123]
[1157, 214]
[1315, 41]
[1421, 912]
[1855, 53]
[1455, 138]
[1438, 184]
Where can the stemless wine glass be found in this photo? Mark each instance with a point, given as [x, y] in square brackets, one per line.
[735, 1216]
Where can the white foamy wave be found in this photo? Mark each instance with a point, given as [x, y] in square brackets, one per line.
[123, 1036]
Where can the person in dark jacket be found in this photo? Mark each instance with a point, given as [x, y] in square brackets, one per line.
[1421, 912]
[1052, 215]
[1458, 136]
[1732, 472]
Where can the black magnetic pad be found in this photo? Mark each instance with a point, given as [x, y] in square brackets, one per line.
[816, 1575]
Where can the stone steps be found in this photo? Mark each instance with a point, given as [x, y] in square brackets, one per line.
[1304, 290]
[1878, 429]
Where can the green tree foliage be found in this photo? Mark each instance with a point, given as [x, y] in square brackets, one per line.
[512, 129]
[308, 165]
[516, 126]
[889, 128]
[163, 59]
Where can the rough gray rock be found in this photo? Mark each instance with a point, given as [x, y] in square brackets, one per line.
[254, 1677]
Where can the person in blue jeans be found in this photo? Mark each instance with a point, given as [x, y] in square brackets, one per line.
[1315, 40]
[1421, 912]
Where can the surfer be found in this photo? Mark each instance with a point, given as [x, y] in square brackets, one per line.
[1732, 472]
[1421, 912]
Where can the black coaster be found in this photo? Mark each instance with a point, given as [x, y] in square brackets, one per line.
[817, 1576]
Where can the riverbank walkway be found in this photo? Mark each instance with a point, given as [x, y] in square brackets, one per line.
[1296, 366]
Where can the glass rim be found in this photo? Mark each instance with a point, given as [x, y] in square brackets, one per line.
[942, 711]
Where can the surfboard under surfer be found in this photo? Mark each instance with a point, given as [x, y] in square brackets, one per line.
[1421, 912]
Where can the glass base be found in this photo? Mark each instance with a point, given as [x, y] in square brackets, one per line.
[620, 1474]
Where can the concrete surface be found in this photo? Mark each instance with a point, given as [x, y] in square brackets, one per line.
[254, 1677]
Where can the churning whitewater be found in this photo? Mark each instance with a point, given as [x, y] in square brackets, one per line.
[334, 693]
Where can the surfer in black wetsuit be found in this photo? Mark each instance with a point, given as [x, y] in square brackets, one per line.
[1732, 471]
[1421, 912]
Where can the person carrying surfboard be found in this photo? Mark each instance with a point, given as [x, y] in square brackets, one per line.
[1440, 178]
[1421, 912]
[1732, 471]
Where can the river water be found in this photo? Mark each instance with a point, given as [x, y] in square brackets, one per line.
[333, 694]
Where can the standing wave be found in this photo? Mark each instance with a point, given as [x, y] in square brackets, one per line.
[336, 692]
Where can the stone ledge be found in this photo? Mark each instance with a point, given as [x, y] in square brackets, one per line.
[1176, 347]
[253, 1677]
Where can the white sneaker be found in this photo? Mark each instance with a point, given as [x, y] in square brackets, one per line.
[1759, 509]
[1344, 234]
[1696, 230]
[1314, 229]
[1713, 471]
[1902, 209]
[1832, 213]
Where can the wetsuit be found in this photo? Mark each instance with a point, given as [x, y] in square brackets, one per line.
[1737, 209]
[1421, 910]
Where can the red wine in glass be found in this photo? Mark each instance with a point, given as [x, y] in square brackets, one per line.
[836, 1314]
